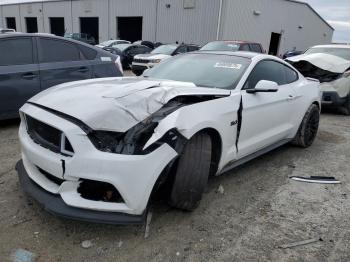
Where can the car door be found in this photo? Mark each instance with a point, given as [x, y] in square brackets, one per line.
[19, 74]
[60, 62]
[266, 116]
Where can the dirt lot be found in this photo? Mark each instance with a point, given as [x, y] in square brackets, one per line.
[260, 209]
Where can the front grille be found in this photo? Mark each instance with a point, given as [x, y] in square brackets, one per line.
[138, 60]
[48, 136]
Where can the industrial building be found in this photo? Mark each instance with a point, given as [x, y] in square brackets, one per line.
[279, 25]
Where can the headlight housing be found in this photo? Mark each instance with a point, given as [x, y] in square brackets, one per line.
[156, 61]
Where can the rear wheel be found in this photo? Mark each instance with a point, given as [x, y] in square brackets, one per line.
[308, 128]
[192, 173]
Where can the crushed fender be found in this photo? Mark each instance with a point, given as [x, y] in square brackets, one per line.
[316, 179]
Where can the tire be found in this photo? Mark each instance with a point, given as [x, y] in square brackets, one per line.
[192, 173]
[345, 109]
[308, 128]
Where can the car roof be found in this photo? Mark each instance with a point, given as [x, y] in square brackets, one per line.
[333, 46]
[244, 54]
[235, 41]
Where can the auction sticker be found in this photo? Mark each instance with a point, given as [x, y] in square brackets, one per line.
[228, 65]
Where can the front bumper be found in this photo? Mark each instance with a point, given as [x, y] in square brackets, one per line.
[56, 206]
[133, 176]
[332, 99]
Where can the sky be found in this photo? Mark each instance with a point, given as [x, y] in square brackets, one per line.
[337, 14]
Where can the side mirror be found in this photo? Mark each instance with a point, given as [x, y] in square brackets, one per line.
[264, 86]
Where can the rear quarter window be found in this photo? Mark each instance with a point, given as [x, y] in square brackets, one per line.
[291, 75]
[256, 48]
[87, 53]
[16, 51]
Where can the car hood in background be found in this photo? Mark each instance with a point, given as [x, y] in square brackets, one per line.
[327, 62]
[152, 56]
[116, 104]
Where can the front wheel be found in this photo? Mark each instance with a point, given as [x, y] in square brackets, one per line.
[308, 128]
[192, 173]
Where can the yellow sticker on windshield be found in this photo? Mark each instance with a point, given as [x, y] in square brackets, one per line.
[228, 65]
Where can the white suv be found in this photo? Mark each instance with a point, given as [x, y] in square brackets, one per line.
[95, 150]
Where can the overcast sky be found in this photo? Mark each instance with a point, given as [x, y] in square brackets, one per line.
[337, 13]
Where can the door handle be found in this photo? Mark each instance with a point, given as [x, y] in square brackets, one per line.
[29, 76]
[83, 69]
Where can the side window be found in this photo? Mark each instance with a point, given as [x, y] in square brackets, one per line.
[87, 53]
[255, 48]
[192, 48]
[181, 49]
[244, 47]
[52, 50]
[266, 70]
[16, 51]
[291, 75]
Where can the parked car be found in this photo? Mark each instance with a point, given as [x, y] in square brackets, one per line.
[194, 115]
[291, 53]
[110, 43]
[7, 30]
[145, 43]
[86, 38]
[330, 64]
[233, 45]
[127, 52]
[143, 61]
[31, 63]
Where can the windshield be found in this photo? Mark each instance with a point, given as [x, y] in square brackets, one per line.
[164, 49]
[121, 47]
[341, 52]
[220, 46]
[206, 70]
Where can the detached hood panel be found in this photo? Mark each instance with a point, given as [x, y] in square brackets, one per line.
[116, 104]
[325, 62]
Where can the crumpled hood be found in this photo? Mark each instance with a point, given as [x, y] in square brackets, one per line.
[323, 61]
[152, 56]
[116, 104]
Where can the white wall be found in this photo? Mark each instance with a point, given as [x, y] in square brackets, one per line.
[58, 9]
[12, 11]
[91, 8]
[146, 9]
[32, 10]
[279, 16]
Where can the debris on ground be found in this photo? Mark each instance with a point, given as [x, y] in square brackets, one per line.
[301, 243]
[22, 255]
[21, 221]
[86, 244]
[220, 190]
[148, 222]
[177, 253]
[120, 243]
[316, 179]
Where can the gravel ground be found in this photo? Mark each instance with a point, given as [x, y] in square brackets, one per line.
[259, 209]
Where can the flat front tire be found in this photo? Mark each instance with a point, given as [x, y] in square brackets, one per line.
[308, 128]
[192, 173]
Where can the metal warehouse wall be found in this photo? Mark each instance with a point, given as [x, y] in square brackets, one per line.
[168, 21]
[123, 8]
[192, 25]
[239, 22]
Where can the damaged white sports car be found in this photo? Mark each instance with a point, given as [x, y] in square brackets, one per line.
[330, 64]
[95, 150]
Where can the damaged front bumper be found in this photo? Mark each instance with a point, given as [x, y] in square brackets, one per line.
[332, 99]
[56, 180]
[55, 205]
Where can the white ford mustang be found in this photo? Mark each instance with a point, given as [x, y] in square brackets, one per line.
[95, 150]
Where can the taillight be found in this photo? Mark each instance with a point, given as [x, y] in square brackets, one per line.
[119, 64]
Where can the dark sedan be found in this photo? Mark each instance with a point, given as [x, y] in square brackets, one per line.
[31, 63]
[127, 52]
